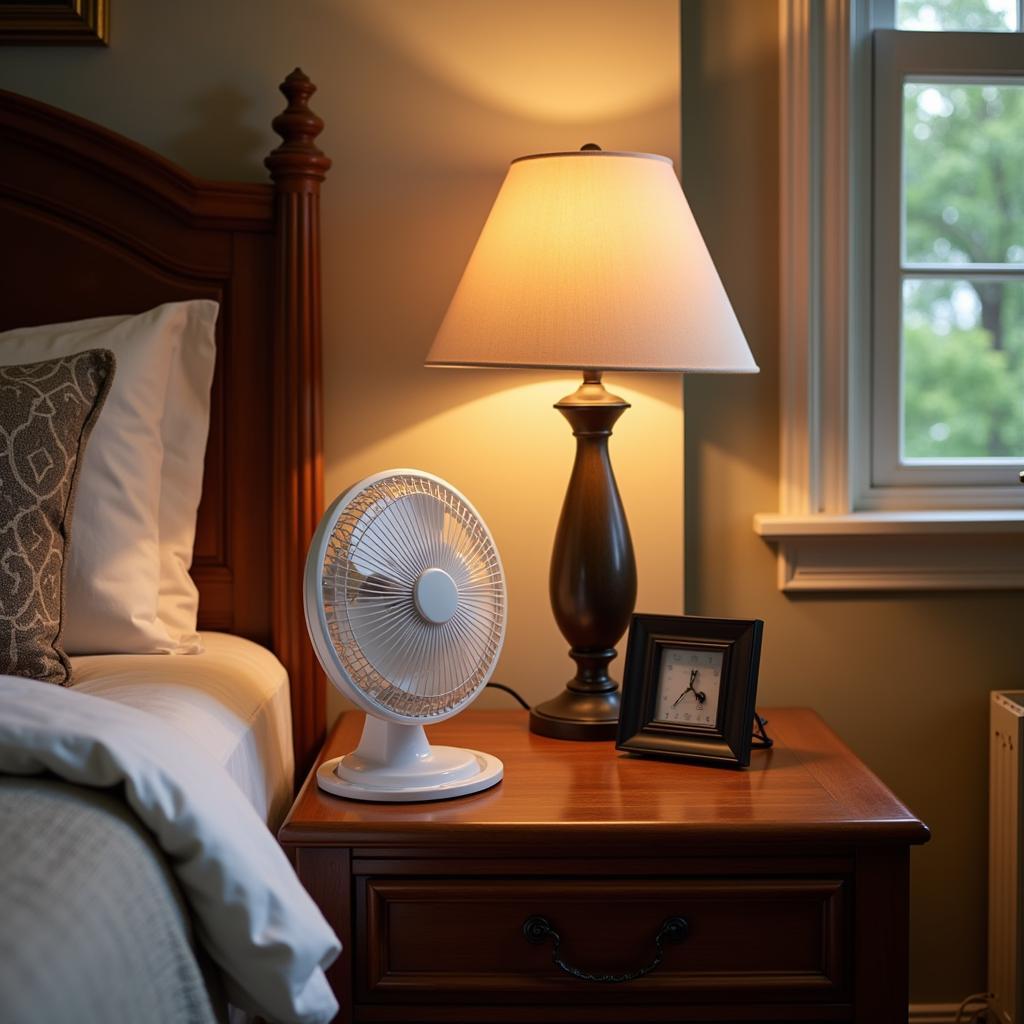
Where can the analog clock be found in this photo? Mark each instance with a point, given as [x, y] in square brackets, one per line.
[689, 685]
[689, 688]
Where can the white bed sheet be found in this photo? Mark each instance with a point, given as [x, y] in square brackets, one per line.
[232, 700]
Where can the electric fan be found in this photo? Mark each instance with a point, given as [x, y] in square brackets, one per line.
[405, 604]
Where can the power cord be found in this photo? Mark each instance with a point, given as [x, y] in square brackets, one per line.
[510, 691]
[976, 1008]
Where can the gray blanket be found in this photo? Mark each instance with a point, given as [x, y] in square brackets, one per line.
[92, 927]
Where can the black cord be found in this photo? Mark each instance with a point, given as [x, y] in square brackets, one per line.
[509, 690]
[761, 741]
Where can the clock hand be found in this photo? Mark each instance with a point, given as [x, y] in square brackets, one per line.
[699, 694]
[694, 673]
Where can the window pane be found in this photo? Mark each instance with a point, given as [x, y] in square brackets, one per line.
[963, 369]
[963, 173]
[957, 15]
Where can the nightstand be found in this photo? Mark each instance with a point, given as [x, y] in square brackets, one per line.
[791, 877]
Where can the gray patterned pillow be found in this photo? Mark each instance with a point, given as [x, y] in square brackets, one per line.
[47, 411]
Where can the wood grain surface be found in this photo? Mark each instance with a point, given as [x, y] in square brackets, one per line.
[809, 786]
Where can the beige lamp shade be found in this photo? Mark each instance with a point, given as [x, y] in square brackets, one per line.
[592, 260]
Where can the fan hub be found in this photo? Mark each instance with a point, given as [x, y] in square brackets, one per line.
[436, 596]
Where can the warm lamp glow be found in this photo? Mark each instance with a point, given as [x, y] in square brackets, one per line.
[574, 61]
[592, 260]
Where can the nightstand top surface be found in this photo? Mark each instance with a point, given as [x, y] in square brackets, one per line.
[810, 786]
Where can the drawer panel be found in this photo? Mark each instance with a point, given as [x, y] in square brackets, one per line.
[449, 940]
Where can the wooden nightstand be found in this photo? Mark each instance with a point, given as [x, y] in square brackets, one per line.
[792, 878]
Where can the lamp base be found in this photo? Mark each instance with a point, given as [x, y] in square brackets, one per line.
[577, 716]
[593, 572]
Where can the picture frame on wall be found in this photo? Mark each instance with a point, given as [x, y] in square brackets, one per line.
[689, 688]
[55, 22]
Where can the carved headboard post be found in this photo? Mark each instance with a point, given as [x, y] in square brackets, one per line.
[297, 167]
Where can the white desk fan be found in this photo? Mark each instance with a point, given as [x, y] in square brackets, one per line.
[405, 604]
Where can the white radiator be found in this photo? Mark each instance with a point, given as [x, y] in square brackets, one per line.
[1005, 861]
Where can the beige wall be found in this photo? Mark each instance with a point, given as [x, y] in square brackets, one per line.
[904, 679]
[425, 101]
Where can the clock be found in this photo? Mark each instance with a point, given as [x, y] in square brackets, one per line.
[689, 687]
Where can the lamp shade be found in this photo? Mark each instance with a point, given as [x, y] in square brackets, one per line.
[592, 260]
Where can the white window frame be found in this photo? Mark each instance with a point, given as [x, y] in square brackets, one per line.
[839, 528]
[889, 483]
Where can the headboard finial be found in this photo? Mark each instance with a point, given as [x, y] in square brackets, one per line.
[298, 155]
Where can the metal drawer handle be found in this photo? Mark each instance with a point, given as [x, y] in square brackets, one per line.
[538, 929]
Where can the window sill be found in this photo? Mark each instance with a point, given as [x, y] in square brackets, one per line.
[962, 550]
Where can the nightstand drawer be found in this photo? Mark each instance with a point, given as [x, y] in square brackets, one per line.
[434, 940]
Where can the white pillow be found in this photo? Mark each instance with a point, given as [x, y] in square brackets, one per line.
[185, 427]
[127, 592]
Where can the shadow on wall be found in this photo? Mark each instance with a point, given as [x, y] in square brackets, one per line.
[729, 169]
[223, 113]
[529, 59]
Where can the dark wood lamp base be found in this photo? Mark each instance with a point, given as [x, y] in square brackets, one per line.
[593, 572]
[576, 715]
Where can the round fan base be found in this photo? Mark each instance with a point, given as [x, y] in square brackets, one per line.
[352, 778]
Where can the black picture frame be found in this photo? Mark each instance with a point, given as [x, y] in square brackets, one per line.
[728, 742]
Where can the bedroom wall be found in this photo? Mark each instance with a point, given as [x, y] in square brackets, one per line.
[425, 101]
[903, 678]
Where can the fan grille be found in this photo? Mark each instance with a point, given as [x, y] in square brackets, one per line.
[383, 540]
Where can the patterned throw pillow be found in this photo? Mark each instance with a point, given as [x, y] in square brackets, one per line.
[47, 411]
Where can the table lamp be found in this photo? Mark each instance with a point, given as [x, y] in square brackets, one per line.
[592, 261]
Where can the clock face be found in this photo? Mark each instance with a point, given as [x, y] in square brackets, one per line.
[689, 685]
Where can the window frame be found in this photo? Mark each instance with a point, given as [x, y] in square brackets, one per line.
[900, 57]
[836, 529]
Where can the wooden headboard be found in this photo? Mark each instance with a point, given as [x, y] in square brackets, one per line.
[93, 224]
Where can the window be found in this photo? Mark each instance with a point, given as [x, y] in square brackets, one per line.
[947, 386]
[958, 15]
[902, 270]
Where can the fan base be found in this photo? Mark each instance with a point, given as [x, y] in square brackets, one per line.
[331, 776]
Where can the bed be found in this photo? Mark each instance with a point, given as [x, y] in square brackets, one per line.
[101, 227]
[232, 700]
